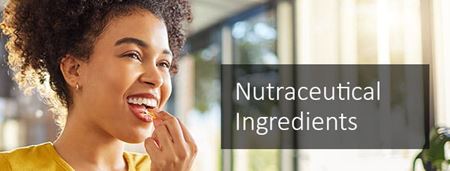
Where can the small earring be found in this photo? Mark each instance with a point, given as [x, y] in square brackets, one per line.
[77, 87]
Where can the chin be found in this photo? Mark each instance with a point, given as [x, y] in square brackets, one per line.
[135, 136]
[134, 141]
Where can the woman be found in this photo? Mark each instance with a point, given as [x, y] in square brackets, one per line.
[105, 67]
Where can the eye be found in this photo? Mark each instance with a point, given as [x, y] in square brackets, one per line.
[133, 55]
[165, 64]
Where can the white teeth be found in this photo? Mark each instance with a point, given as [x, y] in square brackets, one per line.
[143, 101]
[152, 102]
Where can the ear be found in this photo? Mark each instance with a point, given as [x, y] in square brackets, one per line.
[70, 68]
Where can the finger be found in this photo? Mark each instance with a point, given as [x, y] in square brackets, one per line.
[188, 137]
[155, 139]
[164, 138]
[157, 122]
[151, 146]
[162, 115]
[174, 128]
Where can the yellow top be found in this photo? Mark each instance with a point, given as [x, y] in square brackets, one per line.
[45, 157]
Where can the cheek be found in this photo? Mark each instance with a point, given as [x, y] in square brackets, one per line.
[166, 90]
[108, 81]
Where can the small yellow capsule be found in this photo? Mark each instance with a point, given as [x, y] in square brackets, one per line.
[153, 115]
[148, 112]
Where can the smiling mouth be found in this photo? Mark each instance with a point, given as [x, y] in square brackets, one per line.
[147, 105]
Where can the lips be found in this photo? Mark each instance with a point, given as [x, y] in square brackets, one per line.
[140, 103]
[139, 112]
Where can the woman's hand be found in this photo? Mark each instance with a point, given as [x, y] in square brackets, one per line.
[170, 147]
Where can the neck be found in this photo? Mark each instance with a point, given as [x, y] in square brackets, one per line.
[83, 145]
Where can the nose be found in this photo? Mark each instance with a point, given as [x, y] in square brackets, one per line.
[152, 76]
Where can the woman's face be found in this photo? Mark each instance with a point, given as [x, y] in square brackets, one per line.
[127, 73]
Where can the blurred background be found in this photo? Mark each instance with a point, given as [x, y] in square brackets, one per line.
[276, 32]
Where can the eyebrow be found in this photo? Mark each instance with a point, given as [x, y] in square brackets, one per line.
[139, 42]
[130, 40]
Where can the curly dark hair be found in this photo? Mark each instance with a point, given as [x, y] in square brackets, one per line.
[42, 32]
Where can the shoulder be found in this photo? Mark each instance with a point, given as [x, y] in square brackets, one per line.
[26, 151]
[138, 161]
[4, 163]
[34, 157]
